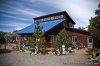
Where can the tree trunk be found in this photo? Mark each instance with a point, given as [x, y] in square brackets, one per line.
[5, 46]
[36, 49]
[5, 43]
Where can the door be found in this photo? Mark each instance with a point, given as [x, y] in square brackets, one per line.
[90, 42]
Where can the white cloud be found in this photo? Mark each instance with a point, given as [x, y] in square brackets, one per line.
[30, 12]
[31, 1]
[20, 13]
[26, 11]
[17, 26]
[6, 11]
[79, 10]
[15, 17]
[21, 26]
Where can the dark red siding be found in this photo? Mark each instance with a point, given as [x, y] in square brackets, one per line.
[81, 38]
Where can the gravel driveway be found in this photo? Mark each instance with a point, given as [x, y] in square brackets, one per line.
[16, 58]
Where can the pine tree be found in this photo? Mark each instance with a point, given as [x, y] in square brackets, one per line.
[37, 42]
[94, 27]
[2, 37]
[62, 39]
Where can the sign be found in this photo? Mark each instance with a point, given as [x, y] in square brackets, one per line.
[49, 18]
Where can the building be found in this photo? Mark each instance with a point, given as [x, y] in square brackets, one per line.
[52, 24]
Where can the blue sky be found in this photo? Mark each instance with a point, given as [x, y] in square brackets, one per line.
[17, 14]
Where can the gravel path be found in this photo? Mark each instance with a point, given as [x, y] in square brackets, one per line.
[17, 58]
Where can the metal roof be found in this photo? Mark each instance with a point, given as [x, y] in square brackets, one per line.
[46, 26]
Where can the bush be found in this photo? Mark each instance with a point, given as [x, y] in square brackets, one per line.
[57, 52]
[17, 47]
[21, 47]
[32, 50]
[70, 51]
[92, 52]
[43, 51]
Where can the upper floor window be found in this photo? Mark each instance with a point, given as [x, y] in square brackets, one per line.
[71, 25]
[51, 38]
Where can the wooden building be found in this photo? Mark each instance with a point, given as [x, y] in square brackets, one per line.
[53, 24]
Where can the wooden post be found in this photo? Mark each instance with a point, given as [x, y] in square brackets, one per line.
[5, 42]
[19, 45]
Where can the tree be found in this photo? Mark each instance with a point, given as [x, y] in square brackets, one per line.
[38, 42]
[2, 38]
[62, 39]
[82, 28]
[94, 27]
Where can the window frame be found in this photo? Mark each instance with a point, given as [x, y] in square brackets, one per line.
[51, 38]
[74, 39]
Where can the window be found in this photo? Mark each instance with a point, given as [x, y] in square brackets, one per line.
[90, 40]
[51, 38]
[74, 39]
[71, 25]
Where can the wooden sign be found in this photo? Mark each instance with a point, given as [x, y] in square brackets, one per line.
[48, 18]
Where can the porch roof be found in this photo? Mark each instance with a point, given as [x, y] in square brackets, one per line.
[46, 26]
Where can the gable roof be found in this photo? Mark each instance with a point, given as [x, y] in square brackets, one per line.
[46, 26]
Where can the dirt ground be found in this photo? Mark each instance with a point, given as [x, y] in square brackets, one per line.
[10, 46]
[17, 58]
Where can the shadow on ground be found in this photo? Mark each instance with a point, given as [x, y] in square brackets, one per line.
[6, 65]
[4, 51]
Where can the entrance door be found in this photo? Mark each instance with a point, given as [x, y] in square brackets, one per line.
[90, 42]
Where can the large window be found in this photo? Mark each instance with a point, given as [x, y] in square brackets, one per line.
[51, 38]
[74, 39]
